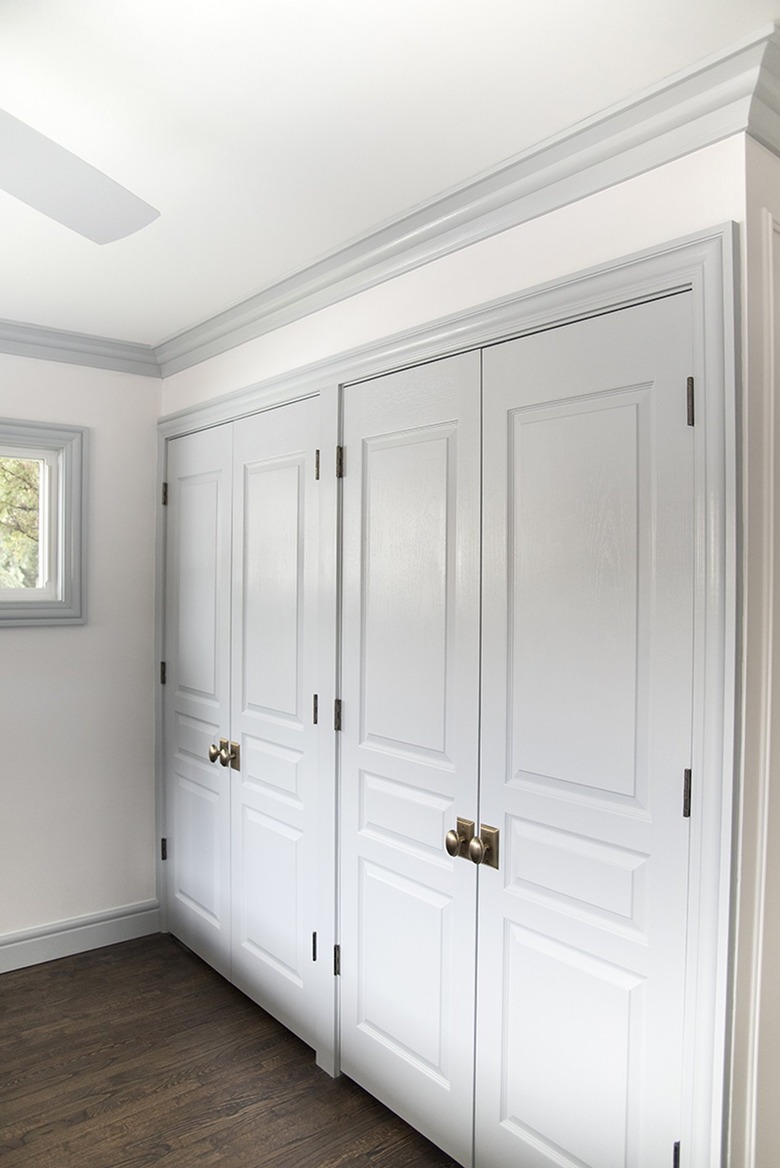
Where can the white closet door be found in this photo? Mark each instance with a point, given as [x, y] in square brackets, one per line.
[409, 741]
[197, 709]
[274, 827]
[586, 723]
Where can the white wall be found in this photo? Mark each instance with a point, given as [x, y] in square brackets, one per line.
[694, 193]
[77, 827]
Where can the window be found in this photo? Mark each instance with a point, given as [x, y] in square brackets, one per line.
[41, 515]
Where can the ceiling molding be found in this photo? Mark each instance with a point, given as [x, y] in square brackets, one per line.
[688, 112]
[734, 92]
[28, 340]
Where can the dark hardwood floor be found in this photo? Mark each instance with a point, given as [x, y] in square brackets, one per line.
[140, 1054]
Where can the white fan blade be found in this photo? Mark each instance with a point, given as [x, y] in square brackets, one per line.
[50, 179]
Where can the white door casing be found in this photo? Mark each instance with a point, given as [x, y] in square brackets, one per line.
[705, 264]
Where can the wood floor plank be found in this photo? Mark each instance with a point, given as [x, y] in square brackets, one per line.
[139, 1055]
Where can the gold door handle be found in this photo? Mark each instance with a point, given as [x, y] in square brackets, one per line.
[214, 751]
[229, 754]
[457, 842]
[483, 848]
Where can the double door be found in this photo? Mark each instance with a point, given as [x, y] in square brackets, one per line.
[240, 651]
[518, 619]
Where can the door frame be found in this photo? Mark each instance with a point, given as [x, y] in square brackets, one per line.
[706, 265]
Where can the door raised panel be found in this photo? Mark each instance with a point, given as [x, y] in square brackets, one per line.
[409, 741]
[566, 1100]
[574, 592]
[400, 1001]
[269, 925]
[272, 586]
[200, 584]
[405, 538]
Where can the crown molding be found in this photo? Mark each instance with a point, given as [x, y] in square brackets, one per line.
[734, 92]
[28, 340]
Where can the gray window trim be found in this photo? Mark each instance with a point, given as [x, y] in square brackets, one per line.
[69, 443]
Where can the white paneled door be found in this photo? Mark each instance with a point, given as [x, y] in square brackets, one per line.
[586, 736]
[197, 693]
[241, 675]
[274, 815]
[550, 699]
[410, 741]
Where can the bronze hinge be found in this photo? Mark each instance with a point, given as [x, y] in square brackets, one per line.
[339, 462]
[165, 494]
[676, 1155]
[687, 778]
[689, 393]
[315, 708]
[316, 464]
[314, 946]
[336, 960]
[163, 849]
[337, 714]
[163, 673]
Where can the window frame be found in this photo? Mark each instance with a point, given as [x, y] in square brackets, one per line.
[65, 529]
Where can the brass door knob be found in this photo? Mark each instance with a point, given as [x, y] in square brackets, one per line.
[229, 754]
[477, 850]
[452, 842]
[483, 848]
[213, 753]
[456, 841]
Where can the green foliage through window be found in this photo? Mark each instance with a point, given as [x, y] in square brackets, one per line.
[20, 501]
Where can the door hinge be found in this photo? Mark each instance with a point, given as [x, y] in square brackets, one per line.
[676, 1155]
[314, 946]
[315, 708]
[316, 464]
[687, 794]
[163, 673]
[163, 849]
[689, 392]
[165, 494]
[339, 462]
[337, 714]
[336, 960]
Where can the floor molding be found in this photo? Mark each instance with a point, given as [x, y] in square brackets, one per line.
[64, 938]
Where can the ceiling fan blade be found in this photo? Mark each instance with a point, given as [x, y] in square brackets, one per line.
[61, 185]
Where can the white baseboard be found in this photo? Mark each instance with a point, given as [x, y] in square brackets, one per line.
[64, 938]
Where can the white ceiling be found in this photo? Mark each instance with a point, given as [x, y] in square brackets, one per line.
[269, 133]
